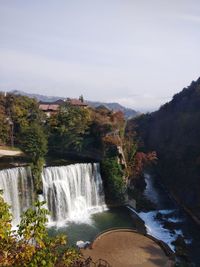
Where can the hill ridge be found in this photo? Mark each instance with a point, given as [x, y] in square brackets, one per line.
[128, 112]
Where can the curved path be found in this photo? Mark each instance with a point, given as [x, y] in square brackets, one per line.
[127, 248]
[4, 152]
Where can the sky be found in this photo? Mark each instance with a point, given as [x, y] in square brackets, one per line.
[138, 53]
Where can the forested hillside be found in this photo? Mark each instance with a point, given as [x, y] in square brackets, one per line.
[174, 133]
[128, 112]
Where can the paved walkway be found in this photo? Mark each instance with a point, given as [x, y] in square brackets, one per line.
[126, 248]
[9, 153]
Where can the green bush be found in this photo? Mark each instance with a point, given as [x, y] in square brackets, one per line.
[31, 245]
[113, 179]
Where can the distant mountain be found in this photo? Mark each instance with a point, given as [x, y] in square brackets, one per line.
[128, 112]
[38, 97]
[174, 132]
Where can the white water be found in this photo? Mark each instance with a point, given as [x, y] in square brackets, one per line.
[150, 192]
[155, 228]
[17, 186]
[153, 225]
[72, 192]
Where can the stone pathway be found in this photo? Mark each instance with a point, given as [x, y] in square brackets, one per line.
[128, 249]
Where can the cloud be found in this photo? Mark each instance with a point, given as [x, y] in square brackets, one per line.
[136, 53]
[32, 71]
[56, 70]
[191, 18]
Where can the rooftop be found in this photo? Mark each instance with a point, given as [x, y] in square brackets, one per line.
[76, 102]
[54, 106]
[48, 107]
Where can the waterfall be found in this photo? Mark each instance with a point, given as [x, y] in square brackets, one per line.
[17, 186]
[71, 192]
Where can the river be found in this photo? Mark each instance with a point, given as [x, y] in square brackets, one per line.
[75, 197]
[168, 220]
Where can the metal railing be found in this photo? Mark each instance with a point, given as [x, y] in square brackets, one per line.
[89, 263]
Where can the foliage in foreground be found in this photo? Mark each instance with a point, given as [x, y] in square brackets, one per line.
[30, 245]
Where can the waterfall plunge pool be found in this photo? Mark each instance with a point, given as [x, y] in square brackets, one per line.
[74, 196]
[117, 217]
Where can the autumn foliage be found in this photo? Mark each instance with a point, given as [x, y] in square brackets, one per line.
[143, 159]
[136, 160]
[30, 245]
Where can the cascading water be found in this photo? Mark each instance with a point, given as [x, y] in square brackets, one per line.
[17, 186]
[166, 209]
[72, 192]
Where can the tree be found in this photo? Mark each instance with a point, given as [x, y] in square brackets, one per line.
[141, 160]
[136, 159]
[4, 126]
[6, 239]
[81, 98]
[113, 179]
[30, 245]
[16, 113]
[70, 126]
[34, 144]
[4, 129]
[22, 111]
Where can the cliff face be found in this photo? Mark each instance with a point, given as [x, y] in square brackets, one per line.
[174, 132]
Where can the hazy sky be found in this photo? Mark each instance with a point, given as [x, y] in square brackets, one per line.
[136, 52]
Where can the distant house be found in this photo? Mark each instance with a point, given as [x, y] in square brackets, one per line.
[50, 108]
[76, 102]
